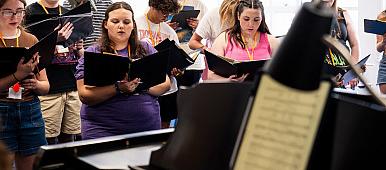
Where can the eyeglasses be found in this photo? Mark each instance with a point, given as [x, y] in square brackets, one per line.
[10, 13]
[164, 13]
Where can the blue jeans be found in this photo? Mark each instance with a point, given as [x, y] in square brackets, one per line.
[381, 79]
[22, 126]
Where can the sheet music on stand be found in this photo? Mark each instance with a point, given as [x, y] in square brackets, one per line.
[281, 127]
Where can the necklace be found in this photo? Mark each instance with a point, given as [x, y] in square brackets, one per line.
[17, 38]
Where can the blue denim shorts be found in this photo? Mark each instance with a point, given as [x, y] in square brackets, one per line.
[22, 126]
[381, 79]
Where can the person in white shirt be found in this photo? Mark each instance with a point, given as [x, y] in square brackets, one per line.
[211, 25]
[152, 26]
[192, 74]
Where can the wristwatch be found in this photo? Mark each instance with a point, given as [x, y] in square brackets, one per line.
[117, 87]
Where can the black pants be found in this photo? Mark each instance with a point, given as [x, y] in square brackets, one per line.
[168, 103]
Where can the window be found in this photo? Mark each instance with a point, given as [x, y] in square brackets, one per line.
[280, 13]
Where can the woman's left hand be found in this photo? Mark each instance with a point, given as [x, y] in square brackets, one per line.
[30, 83]
[129, 86]
[235, 78]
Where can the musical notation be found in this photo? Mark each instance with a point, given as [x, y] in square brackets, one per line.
[282, 126]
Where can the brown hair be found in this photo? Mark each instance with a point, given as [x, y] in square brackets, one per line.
[136, 49]
[166, 6]
[235, 31]
[2, 2]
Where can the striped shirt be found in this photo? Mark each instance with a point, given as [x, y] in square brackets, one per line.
[98, 16]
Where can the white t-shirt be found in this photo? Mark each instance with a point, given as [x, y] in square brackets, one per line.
[165, 31]
[197, 5]
[210, 26]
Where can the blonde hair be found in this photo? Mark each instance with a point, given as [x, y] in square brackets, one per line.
[227, 11]
[334, 5]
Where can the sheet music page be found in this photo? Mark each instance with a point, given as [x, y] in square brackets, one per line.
[281, 127]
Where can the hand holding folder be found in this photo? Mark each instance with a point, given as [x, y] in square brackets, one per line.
[101, 69]
[183, 15]
[178, 58]
[12, 55]
[80, 17]
[227, 67]
[347, 77]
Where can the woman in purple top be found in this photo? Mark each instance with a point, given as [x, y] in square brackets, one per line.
[113, 109]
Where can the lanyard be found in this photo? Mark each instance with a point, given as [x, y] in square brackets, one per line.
[17, 39]
[16, 86]
[153, 38]
[45, 9]
[250, 56]
[128, 51]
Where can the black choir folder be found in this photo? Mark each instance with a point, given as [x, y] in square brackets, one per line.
[349, 75]
[181, 17]
[178, 58]
[80, 17]
[226, 67]
[10, 56]
[375, 26]
[101, 69]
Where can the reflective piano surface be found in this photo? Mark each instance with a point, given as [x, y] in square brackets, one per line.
[121, 159]
[115, 152]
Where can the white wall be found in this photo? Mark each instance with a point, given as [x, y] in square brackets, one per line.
[140, 6]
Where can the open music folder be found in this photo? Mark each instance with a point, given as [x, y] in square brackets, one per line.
[101, 69]
[10, 56]
[80, 17]
[351, 74]
[183, 15]
[226, 67]
[178, 58]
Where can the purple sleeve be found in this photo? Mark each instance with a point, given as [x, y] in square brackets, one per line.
[148, 47]
[79, 74]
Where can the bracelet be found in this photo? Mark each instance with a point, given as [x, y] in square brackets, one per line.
[13, 74]
[117, 87]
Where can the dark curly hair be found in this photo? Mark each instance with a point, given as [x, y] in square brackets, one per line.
[166, 6]
[2, 2]
[235, 31]
[136, 49]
